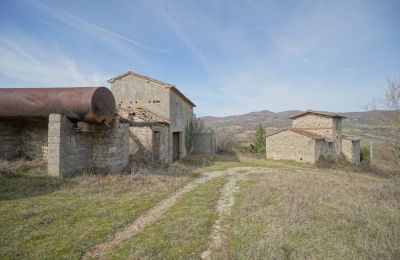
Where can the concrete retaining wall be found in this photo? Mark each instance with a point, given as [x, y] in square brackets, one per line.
[204, 143]
[70, 151]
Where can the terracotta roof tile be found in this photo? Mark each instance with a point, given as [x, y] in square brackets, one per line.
[142, 115]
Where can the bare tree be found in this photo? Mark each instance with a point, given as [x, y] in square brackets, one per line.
[393, 103]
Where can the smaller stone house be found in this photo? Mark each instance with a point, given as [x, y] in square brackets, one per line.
[313, 134]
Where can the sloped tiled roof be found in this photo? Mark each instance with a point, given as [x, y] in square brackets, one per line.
[142, 115]
[167, 85]
[311, 135]
[321, 113]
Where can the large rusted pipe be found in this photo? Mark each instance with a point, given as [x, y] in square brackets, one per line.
[87, 104]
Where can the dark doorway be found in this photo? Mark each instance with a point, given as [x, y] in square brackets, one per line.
[175, 145]
[156, 145]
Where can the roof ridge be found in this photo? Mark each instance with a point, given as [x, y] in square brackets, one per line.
[323, 113]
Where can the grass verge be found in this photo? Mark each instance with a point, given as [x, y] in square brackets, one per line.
[59, 218]
[308, 216]
[184, 231]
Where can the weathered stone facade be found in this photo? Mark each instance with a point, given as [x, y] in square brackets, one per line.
[132, 91]
[150, 142]
[23, 138]
[71, 151]
[313, 135]
[351, 149]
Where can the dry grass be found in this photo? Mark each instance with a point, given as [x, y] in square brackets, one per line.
[296, 215]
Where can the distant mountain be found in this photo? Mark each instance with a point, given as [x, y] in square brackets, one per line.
[369, 124]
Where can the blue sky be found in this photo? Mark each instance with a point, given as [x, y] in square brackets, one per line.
[229, 57]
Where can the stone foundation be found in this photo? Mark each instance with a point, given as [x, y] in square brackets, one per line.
[71, 151]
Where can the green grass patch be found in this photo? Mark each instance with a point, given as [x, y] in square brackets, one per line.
[184, 231]
[55, 218]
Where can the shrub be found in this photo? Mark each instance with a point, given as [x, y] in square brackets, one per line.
[189, 136]
[364, 154]
[259, 140]
[226, 144]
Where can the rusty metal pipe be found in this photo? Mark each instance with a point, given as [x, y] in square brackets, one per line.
[86, 104]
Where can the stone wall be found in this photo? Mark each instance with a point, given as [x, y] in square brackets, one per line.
[323, 125]
[150, 142]
[110, 147]
[288, 145]
[10, 140]
[351, 149]
[180, 114]
[21, 138]
[204, 143]
[132, 92]
[325, 149]
[71, 151]
[34, 139]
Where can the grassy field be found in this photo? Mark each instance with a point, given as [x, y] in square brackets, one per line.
[293, 211]
[44, 217]
[301, 215]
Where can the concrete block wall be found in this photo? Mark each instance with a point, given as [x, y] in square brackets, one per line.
[71, 151]
[204, 143]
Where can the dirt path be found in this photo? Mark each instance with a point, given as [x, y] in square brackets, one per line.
[102, 250]
[224, 205]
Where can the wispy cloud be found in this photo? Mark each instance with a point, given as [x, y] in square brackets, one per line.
[170, 16]
[91, 28]
[34, 64]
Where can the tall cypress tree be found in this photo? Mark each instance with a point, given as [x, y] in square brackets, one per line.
[259, 139]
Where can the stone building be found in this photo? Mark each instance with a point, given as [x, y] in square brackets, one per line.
[163, 102]
[313, 134]
[73, 129]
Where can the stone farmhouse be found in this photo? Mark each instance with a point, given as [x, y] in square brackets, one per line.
[313, 134]
[169, 112]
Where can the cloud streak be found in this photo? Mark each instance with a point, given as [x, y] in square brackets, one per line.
[38, 65]
[86, 26]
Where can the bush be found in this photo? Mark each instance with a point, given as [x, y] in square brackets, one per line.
[226, 144]
[365, 154]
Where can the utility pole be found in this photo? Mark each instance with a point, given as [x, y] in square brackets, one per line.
[370, 152]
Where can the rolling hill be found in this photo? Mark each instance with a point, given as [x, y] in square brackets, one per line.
[367, 125]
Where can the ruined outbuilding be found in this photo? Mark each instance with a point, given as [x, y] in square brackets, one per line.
[313, 135]
[73, 129]
[164, 138]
